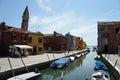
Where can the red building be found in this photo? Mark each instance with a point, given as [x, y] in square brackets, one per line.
[55, 42]
[78, 43]
[11, 36]
[108, 40]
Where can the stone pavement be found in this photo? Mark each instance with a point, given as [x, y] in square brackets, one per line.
[114, 60]
[31, 60]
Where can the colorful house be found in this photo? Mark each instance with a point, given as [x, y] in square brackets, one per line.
[36, 41]
[11, 37]
[55, 42]
[78, 43]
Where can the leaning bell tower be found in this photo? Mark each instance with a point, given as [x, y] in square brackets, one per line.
[25, 19]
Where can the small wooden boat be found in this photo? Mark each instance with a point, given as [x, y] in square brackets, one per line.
[97, 57]
[25, 76]
[72, 58]
[60, 63]
[78, 55]
[100, 75]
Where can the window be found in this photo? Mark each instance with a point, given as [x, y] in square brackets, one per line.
[29, 39]
[40, 49]
[40, 40]
[23, 38]
[117, 30]
[14, 37]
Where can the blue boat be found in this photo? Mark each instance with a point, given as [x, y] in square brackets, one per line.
[60, 63]
[100, 65]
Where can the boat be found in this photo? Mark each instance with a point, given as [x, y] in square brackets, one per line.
[72, 58]
[25, 76]
[100, 75]
[100, 65]
[78, 55]
[60, 63]
[97, 57]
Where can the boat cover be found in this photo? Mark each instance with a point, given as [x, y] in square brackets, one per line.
[100, 65]
[61, 61]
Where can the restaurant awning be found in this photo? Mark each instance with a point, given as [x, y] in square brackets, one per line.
[23, 46]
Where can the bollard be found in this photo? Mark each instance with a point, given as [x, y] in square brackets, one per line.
[116, 63]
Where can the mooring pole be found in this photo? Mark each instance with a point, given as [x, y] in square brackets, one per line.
[11, 66]
[116, 63]
[24, 63]
[62, 76]
[48, 56]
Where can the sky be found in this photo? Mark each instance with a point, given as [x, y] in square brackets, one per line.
[79, 17]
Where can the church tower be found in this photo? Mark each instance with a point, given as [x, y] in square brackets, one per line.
[25, 19]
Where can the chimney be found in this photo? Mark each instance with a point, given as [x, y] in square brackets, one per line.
[54, 33]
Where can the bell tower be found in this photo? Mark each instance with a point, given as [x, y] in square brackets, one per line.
[25, 19]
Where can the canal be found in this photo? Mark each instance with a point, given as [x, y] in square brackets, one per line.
[79, 69]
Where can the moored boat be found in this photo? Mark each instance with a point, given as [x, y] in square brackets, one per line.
[60, 63]
[100, 75]
[100, 65]
[25, 76]
[72, 58]
[78, 55]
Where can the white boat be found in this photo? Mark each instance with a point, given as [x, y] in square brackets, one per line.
[25, 76]
[71, 58]
[100, 75]
[78, 55]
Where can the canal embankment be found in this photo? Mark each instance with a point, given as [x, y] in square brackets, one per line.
[113, 63]
[34, 61]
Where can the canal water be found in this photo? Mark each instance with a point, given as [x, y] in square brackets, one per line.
[79, 69]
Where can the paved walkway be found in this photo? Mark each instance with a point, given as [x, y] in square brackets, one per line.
[114, 60]
[30, 60]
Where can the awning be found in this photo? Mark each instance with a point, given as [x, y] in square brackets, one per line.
[23, 46]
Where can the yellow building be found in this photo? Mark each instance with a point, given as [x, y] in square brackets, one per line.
[83, 45]
[36, 41]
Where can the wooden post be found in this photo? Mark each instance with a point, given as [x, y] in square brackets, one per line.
[24, 63]
[11, 66]
[48, 57]
[62, 76]
[116, 63]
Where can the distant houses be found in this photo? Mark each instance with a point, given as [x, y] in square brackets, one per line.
[14, 41]
[55, 42]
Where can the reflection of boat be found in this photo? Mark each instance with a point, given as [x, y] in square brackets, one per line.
[60, 63]
[100, 75]
[25, 76]
[100, 65]
[71, 58]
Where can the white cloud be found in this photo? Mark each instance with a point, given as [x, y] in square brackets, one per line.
[42, 5]
[67, 22]
[84, 29]
[52, 23]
